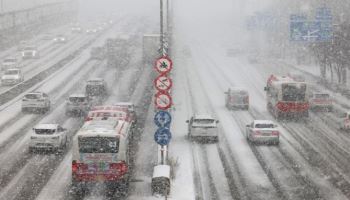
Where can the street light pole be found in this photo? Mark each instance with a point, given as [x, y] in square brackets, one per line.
[161, 28]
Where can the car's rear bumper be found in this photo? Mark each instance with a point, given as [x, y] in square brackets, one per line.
[44, 145]
[10, 82]
[264, 139]
[34, 106]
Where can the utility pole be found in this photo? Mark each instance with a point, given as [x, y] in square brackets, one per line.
[161, 28]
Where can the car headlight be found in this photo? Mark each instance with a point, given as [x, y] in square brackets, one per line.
[56, 137]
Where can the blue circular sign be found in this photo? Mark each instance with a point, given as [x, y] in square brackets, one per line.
[162, 136]
[162, 119]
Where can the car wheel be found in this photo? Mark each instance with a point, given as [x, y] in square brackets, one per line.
[24, 110]
[31, 150]
[276, 142]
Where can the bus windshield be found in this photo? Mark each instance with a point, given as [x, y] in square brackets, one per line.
[293, 92]
[98, 145]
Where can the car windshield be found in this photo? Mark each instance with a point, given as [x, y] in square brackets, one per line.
[44, 131]
[203, 121]
[98, 144]
[11, 72]
[77, 99]
[264, 126]
[32, 96]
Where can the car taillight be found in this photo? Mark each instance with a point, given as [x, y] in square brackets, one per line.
[275, 133]
[88, 119]
[246, 100]
[121, 167]
[257, 133]
[56, 137]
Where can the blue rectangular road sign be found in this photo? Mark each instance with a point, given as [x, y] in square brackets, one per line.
[310, 31]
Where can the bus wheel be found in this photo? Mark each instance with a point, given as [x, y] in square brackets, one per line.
[278, 115]
[77, 190]
[123, 187]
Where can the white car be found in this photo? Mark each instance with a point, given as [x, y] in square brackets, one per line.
[79, 104]
[60, 39]
[36, 101]
[12, 77]
[264, 131]
[203, 128]
[10, 62]
[48, 137]
[30, 52]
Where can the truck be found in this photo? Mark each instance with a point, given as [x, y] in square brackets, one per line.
[150, 48]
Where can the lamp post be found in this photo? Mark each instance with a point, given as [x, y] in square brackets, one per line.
[161, 28]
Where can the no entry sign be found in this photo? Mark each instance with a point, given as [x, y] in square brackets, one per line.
[163, 101]
[163, 83]
[163, 65]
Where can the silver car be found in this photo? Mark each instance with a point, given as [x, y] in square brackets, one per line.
[77, 104]
[12, 77]
[237, 98]
[30, 52]
[36, 101]
[203, 128]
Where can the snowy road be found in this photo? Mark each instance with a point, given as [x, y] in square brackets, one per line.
[310, 163]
